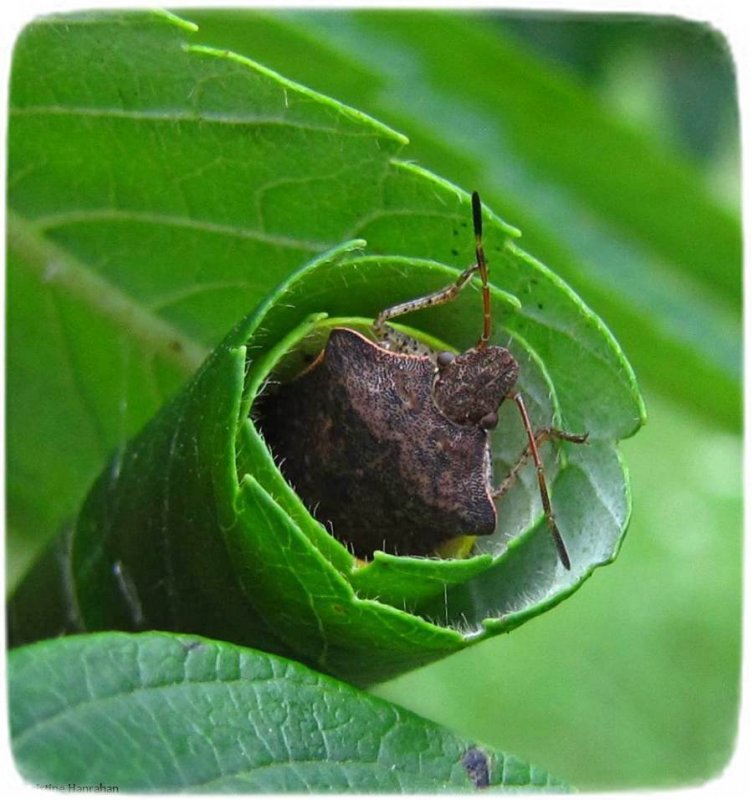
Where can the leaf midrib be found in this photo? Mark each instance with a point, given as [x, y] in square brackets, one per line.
[58, 268]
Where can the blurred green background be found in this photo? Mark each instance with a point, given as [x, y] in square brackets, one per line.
[612, 143]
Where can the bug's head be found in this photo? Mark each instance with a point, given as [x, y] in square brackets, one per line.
[470, 388]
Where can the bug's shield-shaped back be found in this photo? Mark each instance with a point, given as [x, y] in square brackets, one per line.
[473, 385]
[363, 443]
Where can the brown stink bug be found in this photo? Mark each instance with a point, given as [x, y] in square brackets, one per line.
[387, 442]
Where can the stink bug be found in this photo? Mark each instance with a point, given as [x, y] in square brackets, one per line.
[387, 442]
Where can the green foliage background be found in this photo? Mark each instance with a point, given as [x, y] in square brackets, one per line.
[611, 143]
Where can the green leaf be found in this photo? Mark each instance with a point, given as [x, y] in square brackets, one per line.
[159, 712]
[632, 226]
[192, 527]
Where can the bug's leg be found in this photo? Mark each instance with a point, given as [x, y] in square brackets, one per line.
[532, 450]
[400, 342]
[394, 340]
[540, 436]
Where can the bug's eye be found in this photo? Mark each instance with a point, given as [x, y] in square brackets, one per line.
[445, 358]
[489, 421]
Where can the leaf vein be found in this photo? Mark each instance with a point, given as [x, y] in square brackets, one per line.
[181, 116]
[51, 221]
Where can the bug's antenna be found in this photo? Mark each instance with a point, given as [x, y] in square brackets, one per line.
[483, 270]
[543, 491]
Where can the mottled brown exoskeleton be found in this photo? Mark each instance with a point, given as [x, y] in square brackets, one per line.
[387, 442]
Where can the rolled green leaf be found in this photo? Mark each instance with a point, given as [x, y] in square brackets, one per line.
[193, 527]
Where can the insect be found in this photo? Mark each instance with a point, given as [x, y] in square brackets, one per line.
[476, 763]
[387, 442]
